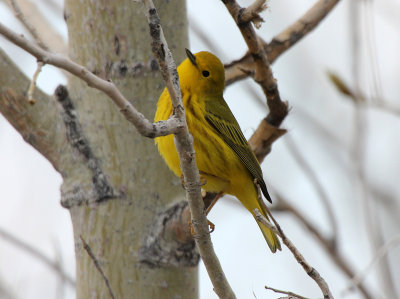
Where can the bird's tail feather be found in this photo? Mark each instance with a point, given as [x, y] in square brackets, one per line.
[270, 237]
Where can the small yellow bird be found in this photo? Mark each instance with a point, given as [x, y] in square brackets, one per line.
[224, 158]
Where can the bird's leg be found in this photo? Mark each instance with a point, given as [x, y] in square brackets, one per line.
[203, 180]
[210, 225]
[214, 201]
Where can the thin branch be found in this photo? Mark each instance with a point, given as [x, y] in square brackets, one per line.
[291, 294]
[31, 29]
[281, 42]
[184, 146]
[381, 253]
[312, 272]
[143, 125]
[37, 254]
[303, 26]
[97, 265]
[32, 86]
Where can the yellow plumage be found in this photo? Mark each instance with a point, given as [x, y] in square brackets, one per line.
[223, 155]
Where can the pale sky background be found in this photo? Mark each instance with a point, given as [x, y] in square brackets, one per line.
[321, 123]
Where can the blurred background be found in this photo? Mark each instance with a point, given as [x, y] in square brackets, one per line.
[336, 170]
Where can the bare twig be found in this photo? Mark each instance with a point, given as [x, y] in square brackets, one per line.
[312, 272]
[143, 125]
[251, 13]
[281, 42]
[382, 252]
[37, 254]
[97, 265]
[286, 293]
[32, 86]
[184, 145]
[32, 30]
[304, 25]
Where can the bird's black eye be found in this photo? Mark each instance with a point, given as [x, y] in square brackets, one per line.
[206, 73]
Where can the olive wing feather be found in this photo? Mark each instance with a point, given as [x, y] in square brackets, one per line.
[220, 117]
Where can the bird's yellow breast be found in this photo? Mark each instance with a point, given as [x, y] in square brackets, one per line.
[215, 160]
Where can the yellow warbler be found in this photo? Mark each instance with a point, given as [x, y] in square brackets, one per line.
[224, 158]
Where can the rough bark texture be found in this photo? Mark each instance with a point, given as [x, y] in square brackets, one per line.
[111, 39]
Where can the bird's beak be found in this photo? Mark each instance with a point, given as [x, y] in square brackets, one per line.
[191, 57]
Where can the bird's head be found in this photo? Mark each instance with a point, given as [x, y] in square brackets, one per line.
[202, 73]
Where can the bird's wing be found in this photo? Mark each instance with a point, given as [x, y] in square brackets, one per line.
[220, 117]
